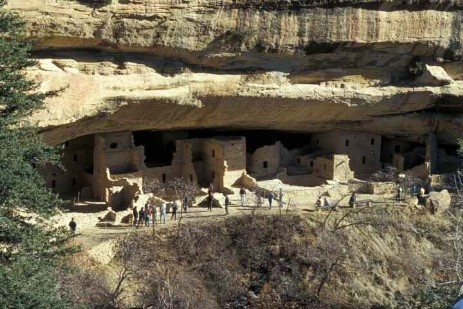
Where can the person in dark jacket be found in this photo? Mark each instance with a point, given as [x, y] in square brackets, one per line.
[270, 200]
[210, 201]
[141, 217]
[226, 203]
[174, 211]
[353, 200]
[73, 226]
[135, 215]
[185, 203]
[146, 215]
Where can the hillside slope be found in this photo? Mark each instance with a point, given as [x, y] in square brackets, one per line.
[362, 259]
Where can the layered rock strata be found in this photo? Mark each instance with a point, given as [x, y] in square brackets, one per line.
[382, 67]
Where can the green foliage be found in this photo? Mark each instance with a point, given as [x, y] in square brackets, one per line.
[29, 283]
[29, 250]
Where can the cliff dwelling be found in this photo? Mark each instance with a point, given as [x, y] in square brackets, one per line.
[296, 103]
[112, 167]
[307, 110]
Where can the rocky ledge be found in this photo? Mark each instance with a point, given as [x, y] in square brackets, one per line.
[375, 66]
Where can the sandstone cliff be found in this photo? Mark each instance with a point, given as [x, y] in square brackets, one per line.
[298, 66]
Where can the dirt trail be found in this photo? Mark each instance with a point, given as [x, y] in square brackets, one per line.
[91, 237]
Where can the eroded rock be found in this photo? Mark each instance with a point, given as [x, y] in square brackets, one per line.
[216, 202]
[109, 217]
[438, 202]
[435, 76]
[128, 219]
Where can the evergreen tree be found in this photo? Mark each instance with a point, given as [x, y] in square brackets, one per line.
[29, 252]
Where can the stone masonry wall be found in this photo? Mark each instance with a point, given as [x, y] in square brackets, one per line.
[265, 161]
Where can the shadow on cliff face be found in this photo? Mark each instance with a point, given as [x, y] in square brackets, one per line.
[295, 5]
[96, 4]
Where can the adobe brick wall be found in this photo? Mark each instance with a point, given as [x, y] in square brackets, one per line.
[265, 161]
[363, 149]
[77, 160]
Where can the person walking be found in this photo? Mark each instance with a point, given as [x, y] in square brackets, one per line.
[151, 210]
[270, 199]
[185, 203]
[414, 191]
[73, 226]
[259, 200]
[174, 211]
[226, 203]
[210, 193]
[242, 196]
[146, 214]
[135, 215]
[163, 213]
[422, 191]
[318, 203]
[353, 200]
[210, 201]
[141, 217]
[327, 202]
[398, 196]
[155, 215]
[280, 198]
[211, 188]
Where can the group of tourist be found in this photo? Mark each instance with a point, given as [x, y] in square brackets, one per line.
[152, 214]
[324, 202]
[259, 195]
[210, 201]
[415, 191]
[270, 196]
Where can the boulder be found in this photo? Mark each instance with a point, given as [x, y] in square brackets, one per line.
[248, 182]
[411, 200]
[128, 219]
[105, 224]
[435, 76]
[109, 217]
[215, 203]
[438, 202]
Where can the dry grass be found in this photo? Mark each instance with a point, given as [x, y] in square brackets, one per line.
[364, 259]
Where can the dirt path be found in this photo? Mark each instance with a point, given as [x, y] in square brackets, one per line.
[90, 236]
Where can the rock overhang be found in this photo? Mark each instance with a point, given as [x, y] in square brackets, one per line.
[305, 66]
